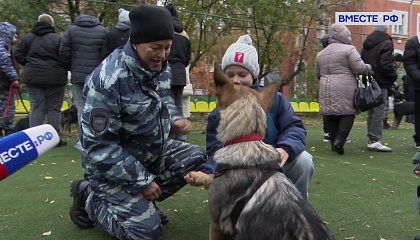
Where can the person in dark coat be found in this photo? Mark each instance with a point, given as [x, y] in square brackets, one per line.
[119, 35]
[178, 59]
[44, 75]
[411, 63]
[80, 51]
[8, 77]
[378, 51]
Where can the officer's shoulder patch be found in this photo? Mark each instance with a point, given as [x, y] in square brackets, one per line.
[99, 121]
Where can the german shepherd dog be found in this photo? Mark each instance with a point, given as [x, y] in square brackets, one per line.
[249, 197]
[401, 108]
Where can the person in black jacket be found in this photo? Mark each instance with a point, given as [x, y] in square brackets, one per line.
[411, 63]
[44, 75]
[378, 51]
[119, 35]
[178, 59]
[80, 51]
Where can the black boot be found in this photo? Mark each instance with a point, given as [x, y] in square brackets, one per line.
[80, 190]
[338, 146]
[163, 217]
[61, 143]
[386, 125]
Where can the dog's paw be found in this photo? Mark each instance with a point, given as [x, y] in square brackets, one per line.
[196, 178]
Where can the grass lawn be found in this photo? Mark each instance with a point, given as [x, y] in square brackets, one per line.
[361, 194]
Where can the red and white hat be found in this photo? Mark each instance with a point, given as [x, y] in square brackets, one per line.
[244, 54]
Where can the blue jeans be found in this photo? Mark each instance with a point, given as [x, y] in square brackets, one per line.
[300, 171]
[46, 101]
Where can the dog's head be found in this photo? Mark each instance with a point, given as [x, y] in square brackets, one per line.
[398, 96]
[242, 109]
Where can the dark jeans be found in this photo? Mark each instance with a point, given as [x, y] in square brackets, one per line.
[339, 127]
[176, 93]
[46, 101]
[416, 135]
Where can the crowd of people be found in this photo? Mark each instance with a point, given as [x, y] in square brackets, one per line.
[127, 85]
[337, 67]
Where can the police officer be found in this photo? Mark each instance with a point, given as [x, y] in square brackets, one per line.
[8, 77]
[127, 158]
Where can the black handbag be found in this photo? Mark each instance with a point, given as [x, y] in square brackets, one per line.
[368, 93]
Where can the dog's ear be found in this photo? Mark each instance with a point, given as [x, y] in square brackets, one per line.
[224, 87]
[220, 78]
[268, 93]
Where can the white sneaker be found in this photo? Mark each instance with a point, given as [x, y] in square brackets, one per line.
[377, 146]
[327, 138]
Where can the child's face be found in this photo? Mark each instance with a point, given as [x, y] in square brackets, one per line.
[239, 75]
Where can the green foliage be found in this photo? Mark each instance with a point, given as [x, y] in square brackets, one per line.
[23, 13]
[279, 28]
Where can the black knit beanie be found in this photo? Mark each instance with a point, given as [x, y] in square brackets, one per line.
[150, 23]
[171, 9]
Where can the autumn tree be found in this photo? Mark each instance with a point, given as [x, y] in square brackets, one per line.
[280, 29]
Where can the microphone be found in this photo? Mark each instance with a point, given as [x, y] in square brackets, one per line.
[20, 148]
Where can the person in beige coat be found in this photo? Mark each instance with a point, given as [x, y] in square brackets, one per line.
[337, 66]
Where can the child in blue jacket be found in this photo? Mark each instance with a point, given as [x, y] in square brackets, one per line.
[285, 130]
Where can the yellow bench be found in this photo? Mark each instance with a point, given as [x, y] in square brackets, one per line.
[304, 107]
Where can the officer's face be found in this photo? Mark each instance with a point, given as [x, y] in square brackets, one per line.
[154, 53]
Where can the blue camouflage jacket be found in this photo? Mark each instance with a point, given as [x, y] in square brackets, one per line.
[8, 73]
[284, 129]
[126, 120]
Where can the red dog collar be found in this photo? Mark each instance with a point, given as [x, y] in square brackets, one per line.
[247, 138]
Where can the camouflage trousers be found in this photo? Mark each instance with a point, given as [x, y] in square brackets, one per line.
[8, 122]
[128, 215]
